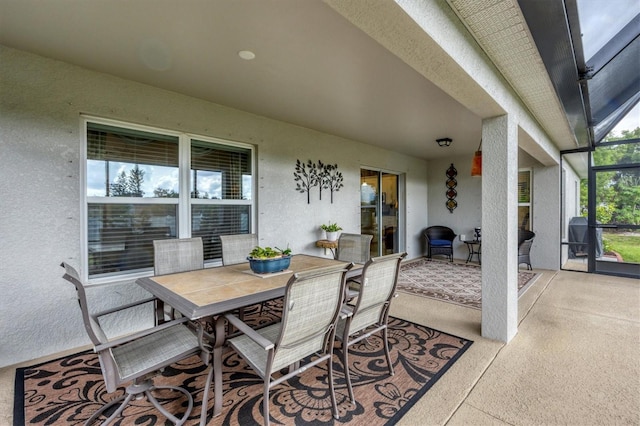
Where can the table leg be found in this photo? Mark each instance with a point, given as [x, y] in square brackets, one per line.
[217, 365]
[470, 249]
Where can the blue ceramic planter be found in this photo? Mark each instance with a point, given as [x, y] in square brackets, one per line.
[266, 266]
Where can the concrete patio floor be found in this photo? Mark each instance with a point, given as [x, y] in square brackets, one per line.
[574, 361]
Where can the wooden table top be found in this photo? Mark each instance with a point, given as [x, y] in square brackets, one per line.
[327, 244]
[212, 291]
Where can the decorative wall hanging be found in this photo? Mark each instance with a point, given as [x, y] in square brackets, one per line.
[451, 185]
[333, 179]
[324, 176]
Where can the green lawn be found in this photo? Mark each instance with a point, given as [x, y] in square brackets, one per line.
[626, 244]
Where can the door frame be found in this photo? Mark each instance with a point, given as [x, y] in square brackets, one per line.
[623, 269]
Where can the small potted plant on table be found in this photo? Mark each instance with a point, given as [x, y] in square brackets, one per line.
[332, 230]
[263, 260]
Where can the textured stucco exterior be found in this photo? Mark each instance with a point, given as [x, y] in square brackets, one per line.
[42, 101]
[41, 104]
[468, 214]
[500, 228]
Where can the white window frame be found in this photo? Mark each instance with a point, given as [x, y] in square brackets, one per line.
[184, 202]
[530, 203]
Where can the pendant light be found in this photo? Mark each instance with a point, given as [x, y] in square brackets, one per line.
[476, 162]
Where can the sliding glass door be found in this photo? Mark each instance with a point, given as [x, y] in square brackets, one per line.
[379, 207]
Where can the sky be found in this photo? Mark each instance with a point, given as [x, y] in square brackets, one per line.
[600, 20]
[209, 183]
[630, 122]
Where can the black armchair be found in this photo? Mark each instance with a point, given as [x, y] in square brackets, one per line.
[525, 240]
[440, 241]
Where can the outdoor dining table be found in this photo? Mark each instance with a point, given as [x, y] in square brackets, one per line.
[210, 292]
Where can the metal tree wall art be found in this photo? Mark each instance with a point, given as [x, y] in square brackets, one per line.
[324, 176]
[333, 178]
[306, 177]
[451, 185]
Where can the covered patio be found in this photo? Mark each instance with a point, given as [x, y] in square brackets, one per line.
[122, 124]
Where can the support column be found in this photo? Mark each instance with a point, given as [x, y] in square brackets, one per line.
[499, 228]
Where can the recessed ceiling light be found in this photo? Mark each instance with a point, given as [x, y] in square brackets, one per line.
[246, 55]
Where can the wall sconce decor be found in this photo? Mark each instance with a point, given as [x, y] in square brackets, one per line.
[451, 191]
[444, 141]
[476, 162]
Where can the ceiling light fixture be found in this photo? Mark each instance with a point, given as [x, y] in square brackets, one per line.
[247, 55]
[444, 141]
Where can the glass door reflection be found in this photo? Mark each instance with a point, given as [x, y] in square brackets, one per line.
[379, 210]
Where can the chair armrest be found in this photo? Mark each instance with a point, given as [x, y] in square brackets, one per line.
[130, 337]
[122, 308]
[249, 332]
[345, 312]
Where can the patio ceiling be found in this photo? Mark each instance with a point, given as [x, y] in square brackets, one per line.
[313, 68]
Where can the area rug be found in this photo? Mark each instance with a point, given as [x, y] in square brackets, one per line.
[458, 283]
[68, 390]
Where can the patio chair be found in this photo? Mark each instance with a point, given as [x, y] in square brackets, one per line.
[312, 302]
[439, 241]
[236, 248]
[354, 248]
[138, 356]
[177, 255]
[525, 240]
[172, 256]
[370, 313]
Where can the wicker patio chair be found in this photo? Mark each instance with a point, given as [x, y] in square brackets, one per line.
[525, 240]
[370, 313]
[312, 302]
[138, 356]
[439, 241]
[172, 256]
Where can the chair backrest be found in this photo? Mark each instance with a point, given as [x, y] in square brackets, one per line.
[524, 235]
[354, 248]
[439, 233]
[236, 248]
[378, 286]
[177, 255]
[525, 240]
[96, 334]
[312, 302]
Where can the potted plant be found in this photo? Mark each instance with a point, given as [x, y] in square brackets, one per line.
[332, 230]
[264, 260]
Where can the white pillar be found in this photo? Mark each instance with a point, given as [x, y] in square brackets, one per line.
[499, 228]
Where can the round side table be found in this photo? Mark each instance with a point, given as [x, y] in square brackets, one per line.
[474, 247]
[326, 244]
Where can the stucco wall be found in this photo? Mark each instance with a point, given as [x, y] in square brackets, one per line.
[571, 206]
[468, 214]
[40, 140]
[545, 251]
